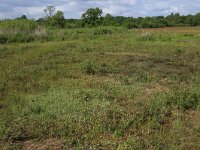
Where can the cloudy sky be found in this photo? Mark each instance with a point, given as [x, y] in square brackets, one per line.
[74, 8]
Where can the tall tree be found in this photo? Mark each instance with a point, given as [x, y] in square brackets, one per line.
[23, 17]
[58, 20]
[92, 17]
[53, 18]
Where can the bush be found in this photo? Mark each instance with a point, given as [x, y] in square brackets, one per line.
[88, 67]
[183, 99]
[3, 39]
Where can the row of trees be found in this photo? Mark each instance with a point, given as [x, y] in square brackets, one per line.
[93, 17]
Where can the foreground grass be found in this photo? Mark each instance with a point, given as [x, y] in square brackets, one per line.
[136, 89]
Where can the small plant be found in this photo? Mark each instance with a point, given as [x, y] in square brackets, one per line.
[126, 81]
[142, 76]
[179, 51]
[184, 99]
[88, 67]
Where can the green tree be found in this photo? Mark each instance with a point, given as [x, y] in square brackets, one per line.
[54, 19]
[23, 17]
[197, 19]
[58, 20]
[129, 23]
[108, 20]
[92, 17]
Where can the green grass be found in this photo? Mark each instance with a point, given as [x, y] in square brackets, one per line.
[102, 88]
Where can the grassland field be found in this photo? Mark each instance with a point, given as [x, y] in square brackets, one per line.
[102, 89]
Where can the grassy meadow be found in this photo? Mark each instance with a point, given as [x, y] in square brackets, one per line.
[100, 89]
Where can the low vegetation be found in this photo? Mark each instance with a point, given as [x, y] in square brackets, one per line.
[100, 88]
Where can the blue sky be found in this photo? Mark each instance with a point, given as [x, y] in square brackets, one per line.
[74, 8]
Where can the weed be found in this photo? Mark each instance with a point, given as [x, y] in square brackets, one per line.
[88, 67]
[184, 99]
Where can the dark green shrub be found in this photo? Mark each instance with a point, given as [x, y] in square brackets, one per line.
[126, 81]
[188, 35]
[184, 99]
[88, 67]
[3, 39]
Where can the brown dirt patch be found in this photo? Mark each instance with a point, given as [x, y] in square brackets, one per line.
[50, 144]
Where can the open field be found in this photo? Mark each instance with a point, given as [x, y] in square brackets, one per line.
[102, 88]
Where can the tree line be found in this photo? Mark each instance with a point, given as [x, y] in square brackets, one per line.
[93, 17]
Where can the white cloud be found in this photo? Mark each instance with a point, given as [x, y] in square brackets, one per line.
[74, 8]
